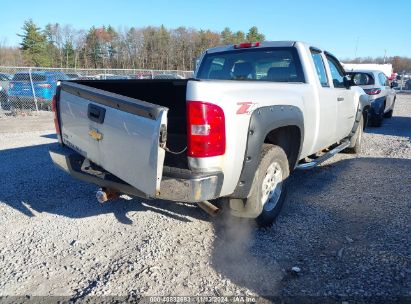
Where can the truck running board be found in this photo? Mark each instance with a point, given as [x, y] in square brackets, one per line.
[316, 162]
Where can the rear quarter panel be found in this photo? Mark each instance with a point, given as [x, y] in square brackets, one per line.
[229, 95]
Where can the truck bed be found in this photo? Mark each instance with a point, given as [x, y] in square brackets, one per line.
[170, 93]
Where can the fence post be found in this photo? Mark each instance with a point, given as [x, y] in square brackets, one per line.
[32, 89]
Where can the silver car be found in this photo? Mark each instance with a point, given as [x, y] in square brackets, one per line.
[381, 94]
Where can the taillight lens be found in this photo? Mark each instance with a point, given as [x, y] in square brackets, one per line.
[374, 91]
[56, 120]
[206, 129]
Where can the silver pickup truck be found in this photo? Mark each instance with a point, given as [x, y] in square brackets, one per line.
[252, 114]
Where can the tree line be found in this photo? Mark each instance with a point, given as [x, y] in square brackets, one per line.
[104, 47]
[160, 48]
[399, 64]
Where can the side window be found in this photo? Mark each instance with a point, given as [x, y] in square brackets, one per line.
[383, 79]
[336, 73]
[320, 68]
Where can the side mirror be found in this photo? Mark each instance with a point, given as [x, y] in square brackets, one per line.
[348, 82]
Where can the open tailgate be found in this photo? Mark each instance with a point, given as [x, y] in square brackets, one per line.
[123, 135]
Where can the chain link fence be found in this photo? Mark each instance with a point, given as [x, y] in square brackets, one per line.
[29, 90]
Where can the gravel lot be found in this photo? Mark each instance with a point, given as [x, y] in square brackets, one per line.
[346, 225]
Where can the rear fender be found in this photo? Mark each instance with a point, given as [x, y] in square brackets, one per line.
[263, 121]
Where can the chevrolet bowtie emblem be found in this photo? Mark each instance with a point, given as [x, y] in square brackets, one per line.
[95, 135]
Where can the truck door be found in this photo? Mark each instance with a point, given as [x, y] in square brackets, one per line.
[326, 124]
[346, 105]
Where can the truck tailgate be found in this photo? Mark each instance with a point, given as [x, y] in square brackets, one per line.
[121, 134]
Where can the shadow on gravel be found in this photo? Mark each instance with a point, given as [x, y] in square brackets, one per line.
[396, 126]
[345, 225]
[30, 183]
[50, 136]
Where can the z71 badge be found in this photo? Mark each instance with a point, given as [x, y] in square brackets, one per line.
[246, 107]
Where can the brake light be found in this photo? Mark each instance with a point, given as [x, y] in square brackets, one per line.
[206, 129]
[374, 91]
[246, 45]
[44, 85]
[56, 120]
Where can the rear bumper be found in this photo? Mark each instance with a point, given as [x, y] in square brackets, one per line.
[176, 185]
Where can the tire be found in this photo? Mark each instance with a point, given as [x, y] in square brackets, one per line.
[356, 139]
[377, 120]
[389, 114]
[272, 172]
[378, 117]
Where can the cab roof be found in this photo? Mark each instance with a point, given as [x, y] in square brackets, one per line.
[230, 47]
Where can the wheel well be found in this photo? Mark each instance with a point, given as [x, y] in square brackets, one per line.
[288, 138]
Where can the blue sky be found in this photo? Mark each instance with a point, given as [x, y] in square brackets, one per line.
[377, 25]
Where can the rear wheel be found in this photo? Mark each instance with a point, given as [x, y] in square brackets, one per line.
[269, 187]
[390, 112]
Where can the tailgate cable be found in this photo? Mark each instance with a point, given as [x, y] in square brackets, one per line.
[163, 140]
[172, 152]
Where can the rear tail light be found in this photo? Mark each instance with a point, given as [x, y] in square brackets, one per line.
[374, 91]
[246, 45]
[56, 120]
[44, 85]
[206, 129]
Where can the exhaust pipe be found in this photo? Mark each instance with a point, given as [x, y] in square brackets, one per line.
[105, 194]
[209, 208]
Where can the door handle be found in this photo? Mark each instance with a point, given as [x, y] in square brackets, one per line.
[339, 98]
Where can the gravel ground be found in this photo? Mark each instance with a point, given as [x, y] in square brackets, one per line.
[345, 224]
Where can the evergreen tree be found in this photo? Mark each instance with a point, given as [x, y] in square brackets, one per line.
[254, 36]
[239, 37]
[34, 45]
[227, 36]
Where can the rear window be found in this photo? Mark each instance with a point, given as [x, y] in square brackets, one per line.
[362, 78]
[268, 64]
[26, 77]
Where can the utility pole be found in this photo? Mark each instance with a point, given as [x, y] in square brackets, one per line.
[356, 47]
[385, 55]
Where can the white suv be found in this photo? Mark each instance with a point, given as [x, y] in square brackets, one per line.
[381, 94]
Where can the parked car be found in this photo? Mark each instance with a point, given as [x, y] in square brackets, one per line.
[74, 76]
[394, 84]
[110, 76]
[4, 85]
[407, 84]
[235, 132]
[168, 76]
[41, 86]
[381, 94]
